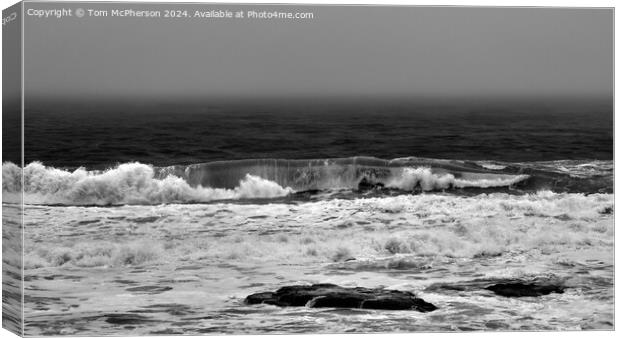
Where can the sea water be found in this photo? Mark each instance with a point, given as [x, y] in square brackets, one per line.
[173, 246]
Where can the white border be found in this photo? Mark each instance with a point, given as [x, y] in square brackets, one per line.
[489, 3]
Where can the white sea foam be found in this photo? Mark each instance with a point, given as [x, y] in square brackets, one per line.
[491, 165]
[137, 183]
[376, 231]
[129, 183]
[427, 180]
[406, 242]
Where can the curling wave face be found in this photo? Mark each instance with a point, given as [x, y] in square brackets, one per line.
[137, 183]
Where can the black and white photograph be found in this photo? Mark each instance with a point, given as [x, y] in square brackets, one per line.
[235, 169]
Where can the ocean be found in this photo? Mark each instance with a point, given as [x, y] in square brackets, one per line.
[139, 222]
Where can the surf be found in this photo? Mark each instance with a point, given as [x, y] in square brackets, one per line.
[129, 183]
[143, 184]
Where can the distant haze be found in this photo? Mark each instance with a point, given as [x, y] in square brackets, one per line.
[372, 52]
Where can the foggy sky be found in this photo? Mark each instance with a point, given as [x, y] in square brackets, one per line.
[343, 51]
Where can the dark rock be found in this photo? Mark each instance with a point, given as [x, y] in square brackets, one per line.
[261, 298]
[330, 295]
[505, 287]
[524, 289]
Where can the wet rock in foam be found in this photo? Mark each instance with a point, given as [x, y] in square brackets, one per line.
[505, 287]
[518, 289]
[330, 295]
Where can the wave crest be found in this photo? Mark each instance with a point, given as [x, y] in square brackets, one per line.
[411, 178]
[137, 183]
[129, 183]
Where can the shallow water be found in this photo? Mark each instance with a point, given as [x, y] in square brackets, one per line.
[186, 268]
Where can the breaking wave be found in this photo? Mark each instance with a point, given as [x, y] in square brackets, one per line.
[137, 183]
[411, 178]
[129, 183]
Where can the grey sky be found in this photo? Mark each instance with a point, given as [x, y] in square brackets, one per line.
[343, 51]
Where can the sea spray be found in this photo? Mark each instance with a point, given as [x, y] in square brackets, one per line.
[142, 184]
[129, 183]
